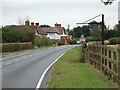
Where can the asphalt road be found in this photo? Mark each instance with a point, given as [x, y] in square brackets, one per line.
[24, 70]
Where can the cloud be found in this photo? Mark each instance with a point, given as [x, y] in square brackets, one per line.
[61, 12]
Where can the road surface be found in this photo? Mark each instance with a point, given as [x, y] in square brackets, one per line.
[24, 70]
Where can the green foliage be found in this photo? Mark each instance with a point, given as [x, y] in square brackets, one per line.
[90, 39]
[44, 41]
[24, 35]
[78, 31]
[92, 26]
[117, 30]
[115, 40]
[74, 41]
[10, 47]
[9, 36]
[60, 42]
[96, 33]
[29, 35]
[108, 34]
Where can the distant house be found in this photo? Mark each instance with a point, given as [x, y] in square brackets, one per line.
[57, 32]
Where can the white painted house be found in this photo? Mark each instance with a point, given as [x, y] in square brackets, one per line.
[56, 32]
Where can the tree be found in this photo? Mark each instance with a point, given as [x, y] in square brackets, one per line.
[117, 30]
[28, 34]
[9, 36]
[91, 26]
[23, 35]
[108, 34]
[96, 33]
[86, 30]
[81, 30]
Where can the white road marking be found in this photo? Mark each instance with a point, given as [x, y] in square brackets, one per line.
[41, 78]
[8, 63]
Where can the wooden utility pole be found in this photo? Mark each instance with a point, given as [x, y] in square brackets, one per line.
[102, 29]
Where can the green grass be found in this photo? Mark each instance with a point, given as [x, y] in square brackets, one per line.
[68, 72]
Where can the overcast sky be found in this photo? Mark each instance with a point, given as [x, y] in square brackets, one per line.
[61, 11]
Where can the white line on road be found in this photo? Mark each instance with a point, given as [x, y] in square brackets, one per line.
[41, 78]
[8, 63]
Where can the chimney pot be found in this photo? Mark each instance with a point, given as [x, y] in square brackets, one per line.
[27, 22]
[37, 24]
[32, 23]
[57, 25]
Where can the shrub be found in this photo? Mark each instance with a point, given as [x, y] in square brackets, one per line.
[10, 47]
[60, 42]
[90, 39]
[74, 41]
[115, 40]
[44, 41]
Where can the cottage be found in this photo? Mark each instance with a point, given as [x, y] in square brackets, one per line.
[56, 32]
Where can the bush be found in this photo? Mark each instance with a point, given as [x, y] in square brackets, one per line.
[74, 41]
[10, 47]
[115, 40]
[60, 42]
[44, 41]
[90, 39]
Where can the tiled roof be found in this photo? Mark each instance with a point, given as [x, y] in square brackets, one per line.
[45, 30]
[21, 27]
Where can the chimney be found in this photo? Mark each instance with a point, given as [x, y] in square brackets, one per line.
[57, 25]
[37, 24]
[27, 22]
[32, 23]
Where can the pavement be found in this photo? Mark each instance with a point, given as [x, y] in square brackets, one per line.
[25, 69]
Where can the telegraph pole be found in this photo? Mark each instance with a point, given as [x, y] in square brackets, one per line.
[102, 29]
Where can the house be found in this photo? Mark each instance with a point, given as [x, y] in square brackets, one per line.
[57, 32]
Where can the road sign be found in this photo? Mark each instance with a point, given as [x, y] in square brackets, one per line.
[82, 39]
[82, 36]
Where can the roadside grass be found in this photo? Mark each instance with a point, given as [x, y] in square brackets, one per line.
[4, 54]
[68, 72]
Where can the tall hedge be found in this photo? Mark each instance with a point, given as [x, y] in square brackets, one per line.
[10, 47]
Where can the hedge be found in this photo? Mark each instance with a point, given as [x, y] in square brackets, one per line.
[115, 40]
[10, 47]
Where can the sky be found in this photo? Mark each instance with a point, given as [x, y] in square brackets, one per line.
[63, 12]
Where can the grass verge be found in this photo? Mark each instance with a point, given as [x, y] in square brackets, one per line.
[68, 72]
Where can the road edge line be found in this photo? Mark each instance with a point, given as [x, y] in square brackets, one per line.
[41, 78]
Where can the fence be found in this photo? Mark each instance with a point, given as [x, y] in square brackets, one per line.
[106, 59]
